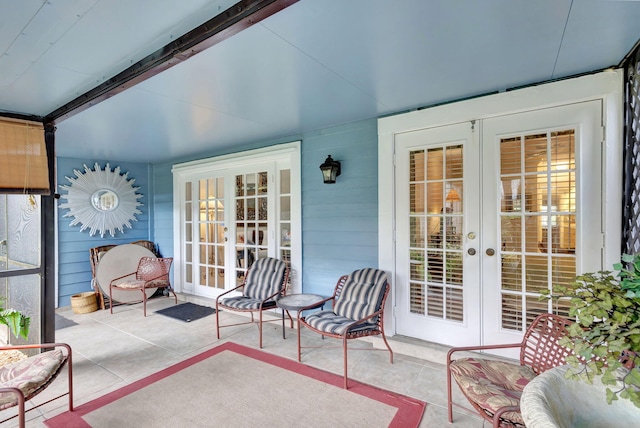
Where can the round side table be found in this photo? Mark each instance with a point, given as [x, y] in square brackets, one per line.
[295, 302]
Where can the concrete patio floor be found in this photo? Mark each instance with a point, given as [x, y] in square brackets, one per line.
[111, 351]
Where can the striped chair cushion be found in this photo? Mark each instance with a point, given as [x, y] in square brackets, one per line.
[264, 279]
[247, 303]
[331, 323]
[361, 295]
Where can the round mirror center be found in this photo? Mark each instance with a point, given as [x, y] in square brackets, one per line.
[104, 200]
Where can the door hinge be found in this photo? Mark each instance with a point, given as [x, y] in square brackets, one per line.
[473, 125]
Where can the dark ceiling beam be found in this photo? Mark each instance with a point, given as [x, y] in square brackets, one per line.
[238, 17]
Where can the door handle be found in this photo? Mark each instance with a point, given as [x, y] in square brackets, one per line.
[471, 251]
[490, 251]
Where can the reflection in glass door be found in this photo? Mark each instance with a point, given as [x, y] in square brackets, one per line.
[252, 216]
[212, 232]
[435, 228]
[537, 222]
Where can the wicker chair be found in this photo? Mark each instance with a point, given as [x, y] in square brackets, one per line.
[22, 380]
[152, 272]
[357, 311]
[97, 252]
[94, 258]
[494, 387]
[265, 282]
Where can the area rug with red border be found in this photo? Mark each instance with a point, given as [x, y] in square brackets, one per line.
[235, 386]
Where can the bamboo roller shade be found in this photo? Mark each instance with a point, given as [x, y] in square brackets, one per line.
[23, 157]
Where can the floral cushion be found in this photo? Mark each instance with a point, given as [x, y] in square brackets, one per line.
[28, 375]
[138, 283]
[492, 384]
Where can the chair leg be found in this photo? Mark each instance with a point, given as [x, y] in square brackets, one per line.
[344, 351]
[299, 327]
[260, 328]
[449, 401]
[110, 299]
[384, 338]
[70, 376]
[217, 320]
[144, 302]
[21, 411]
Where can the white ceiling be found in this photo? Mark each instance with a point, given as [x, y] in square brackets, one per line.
[315, 64]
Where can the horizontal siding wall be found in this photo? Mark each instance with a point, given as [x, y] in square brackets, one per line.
[339, 221]
[74, 269]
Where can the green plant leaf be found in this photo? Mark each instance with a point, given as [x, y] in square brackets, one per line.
[17, 322]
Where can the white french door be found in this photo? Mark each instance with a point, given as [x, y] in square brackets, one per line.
[232, 212]
[437, 208]
[542, 217]
[488, 214]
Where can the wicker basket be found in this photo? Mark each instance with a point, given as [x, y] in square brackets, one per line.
[84, 303]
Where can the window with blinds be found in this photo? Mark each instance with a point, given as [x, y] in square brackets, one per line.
[435, 219]
[23, 158]
[537, 222]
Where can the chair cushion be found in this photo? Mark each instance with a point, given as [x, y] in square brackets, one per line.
[138, 283]
[246, 303]
[361, 294]
[330, 322]
[265, 278]
[492, 384]
[28, 375]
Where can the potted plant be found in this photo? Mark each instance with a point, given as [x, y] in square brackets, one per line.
[17, 322]
[605, 339]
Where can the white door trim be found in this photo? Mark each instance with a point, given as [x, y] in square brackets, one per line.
[606, 86]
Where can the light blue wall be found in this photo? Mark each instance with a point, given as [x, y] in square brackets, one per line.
[74, 270]
[339, 221]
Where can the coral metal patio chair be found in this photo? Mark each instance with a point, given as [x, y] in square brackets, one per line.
[152, 272]
[22, 380]
[265, 282]
[357, 311]
[493, 386]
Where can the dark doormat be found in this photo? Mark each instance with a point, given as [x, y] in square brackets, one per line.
[187, 312]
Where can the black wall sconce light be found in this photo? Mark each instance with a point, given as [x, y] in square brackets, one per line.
[330, 170]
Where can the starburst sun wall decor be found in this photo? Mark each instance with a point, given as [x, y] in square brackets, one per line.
[101, 200]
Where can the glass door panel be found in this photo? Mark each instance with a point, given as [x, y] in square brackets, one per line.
[537, 220]
[212, 233]
[252, 216]
[20, 237]
[546, 233]
[435, 216]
